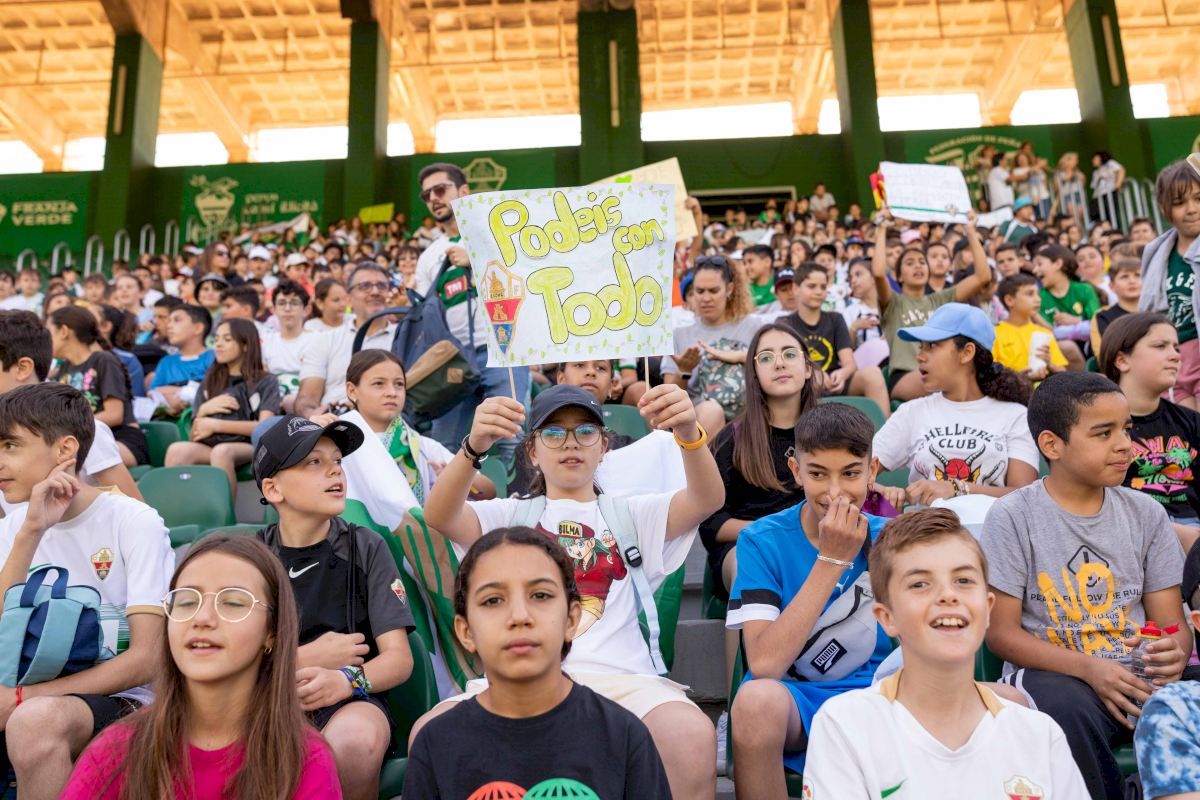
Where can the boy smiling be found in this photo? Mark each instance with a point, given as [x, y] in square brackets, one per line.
[930, 731]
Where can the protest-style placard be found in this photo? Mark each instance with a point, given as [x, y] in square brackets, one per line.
[663, 173]
[926, 192]
[572, 273]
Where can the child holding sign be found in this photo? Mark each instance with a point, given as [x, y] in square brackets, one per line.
[622, 548]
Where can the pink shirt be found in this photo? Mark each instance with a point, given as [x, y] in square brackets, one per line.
[98, 774]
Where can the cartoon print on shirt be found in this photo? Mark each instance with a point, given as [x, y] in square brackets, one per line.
[598, 563]
[962, 453]
[1164, 468]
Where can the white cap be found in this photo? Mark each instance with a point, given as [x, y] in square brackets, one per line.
[258, 251]
[294, 259]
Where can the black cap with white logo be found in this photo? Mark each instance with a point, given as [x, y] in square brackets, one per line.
[288, 441]
[563, 395]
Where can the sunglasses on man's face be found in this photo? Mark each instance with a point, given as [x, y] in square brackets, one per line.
[438, 190]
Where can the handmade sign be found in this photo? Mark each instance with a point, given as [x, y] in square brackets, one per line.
[662, 172]
[926, 192]
[572, 273]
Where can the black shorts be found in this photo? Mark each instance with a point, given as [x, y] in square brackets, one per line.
[135, 440]
[894, 377]
[845, 390]
[320, 718]
[107, 709]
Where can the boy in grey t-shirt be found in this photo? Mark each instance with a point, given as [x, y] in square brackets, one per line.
[1078, 564]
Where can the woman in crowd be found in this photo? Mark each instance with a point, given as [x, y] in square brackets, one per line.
[862, 308]
[328, 306]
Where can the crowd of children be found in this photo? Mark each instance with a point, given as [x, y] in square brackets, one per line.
[907, 448]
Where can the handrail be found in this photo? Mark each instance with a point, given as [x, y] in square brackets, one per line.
[121, 237]
[171, 238]
[61, 247]
[24, 254]
[146, 240]
[93, 247]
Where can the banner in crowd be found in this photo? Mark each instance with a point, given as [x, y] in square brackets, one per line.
[925, 192]
[39, 211]
[663, 172]
[251, 195]
[572, 273]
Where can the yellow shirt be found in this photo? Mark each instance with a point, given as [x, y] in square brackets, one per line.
[1012, 345]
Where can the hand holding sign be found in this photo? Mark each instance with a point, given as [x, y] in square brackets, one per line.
[926, 192]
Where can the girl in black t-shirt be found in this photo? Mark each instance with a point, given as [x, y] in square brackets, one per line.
[85, 362]
[237, 393]
[1140, 352]
[781, 383]
[516, 607]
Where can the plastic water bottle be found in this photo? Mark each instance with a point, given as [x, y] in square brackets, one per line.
[1137, 659]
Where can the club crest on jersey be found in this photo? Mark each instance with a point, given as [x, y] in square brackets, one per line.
[398, 590]
[102, 561]
[1018, 787]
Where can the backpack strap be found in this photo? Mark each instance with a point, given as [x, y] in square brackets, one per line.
[616, 514]
[529, 511]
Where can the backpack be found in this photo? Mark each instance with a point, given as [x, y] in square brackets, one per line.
[49, 631]
[717, 380]
[439, 371]
[843, 637]
[615, 510]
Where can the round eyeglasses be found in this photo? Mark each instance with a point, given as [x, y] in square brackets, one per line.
[555, 436]
[768, 357]
[232, 604]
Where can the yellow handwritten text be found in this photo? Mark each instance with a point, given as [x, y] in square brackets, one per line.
[627, 294]
[509, 224]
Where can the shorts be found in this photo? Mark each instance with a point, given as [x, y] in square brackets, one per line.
[320, 718]
[845, 390]
[107, 709]
[135, 440]
[895, 376]
[1187, 383]
[716, 563]
[637, 694]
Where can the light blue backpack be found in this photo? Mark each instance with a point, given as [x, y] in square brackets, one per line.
[49, 630]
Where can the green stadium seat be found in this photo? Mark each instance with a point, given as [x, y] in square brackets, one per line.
[245, 472]
[408, 702]
[711, 606]
[160, 436]
[667, 600]
[139, 472]
[893, 477]
[494, 470]
[241, 529]
[270, 515]
[863, 404]
[625, 420]
[193, 495]
[183, 534]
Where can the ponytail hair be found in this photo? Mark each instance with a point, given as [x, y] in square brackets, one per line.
[996, 380]
[82, 323]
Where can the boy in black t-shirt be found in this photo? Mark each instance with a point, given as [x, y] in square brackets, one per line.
[828, 340]
[533, 732]
[354, 614]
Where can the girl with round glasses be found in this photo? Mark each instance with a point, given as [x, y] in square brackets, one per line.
[226, 720]
[609, 655]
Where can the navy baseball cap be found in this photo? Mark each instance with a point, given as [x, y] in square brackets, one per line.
[785, 275]
[562, 396]
[950, 320]
[285, 443]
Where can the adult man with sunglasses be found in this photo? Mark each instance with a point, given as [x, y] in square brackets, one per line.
[441, 183]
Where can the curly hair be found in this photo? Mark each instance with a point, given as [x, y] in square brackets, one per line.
[996, 380]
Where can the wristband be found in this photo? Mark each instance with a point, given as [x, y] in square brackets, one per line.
[475, 458]
[359, 685]
[835, 562]
[696, 445]
[17, 691]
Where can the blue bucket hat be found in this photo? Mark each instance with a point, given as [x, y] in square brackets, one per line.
[1022, 202]
[954, 319]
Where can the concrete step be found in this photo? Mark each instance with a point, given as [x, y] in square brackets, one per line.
[700, 661]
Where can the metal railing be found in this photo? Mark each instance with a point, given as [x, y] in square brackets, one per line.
[93, 255]
[121, 245]
[146, 240]
[60, 249]
[171, 238]
[23, 257]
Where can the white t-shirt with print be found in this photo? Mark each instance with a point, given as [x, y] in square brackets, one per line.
[117, 545]
[102, 455]
[611, 640]
[865, 743]
[938, 439]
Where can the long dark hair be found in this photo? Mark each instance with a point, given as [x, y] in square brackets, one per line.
[739, 303]
[320, 292]
[216, 380]
[122, 327]
[1056, 252]
[524, 537]
[275, 731]
[364, 360]
[81, 323]
[1121, 336]
[996, 380]
[752, 429]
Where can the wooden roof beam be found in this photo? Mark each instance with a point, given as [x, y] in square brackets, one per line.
[33, 125]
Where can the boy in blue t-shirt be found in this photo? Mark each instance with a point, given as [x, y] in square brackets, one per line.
[802, 600]
[187, 328]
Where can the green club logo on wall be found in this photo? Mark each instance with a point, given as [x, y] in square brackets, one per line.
[215, 200]
[485, 175]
